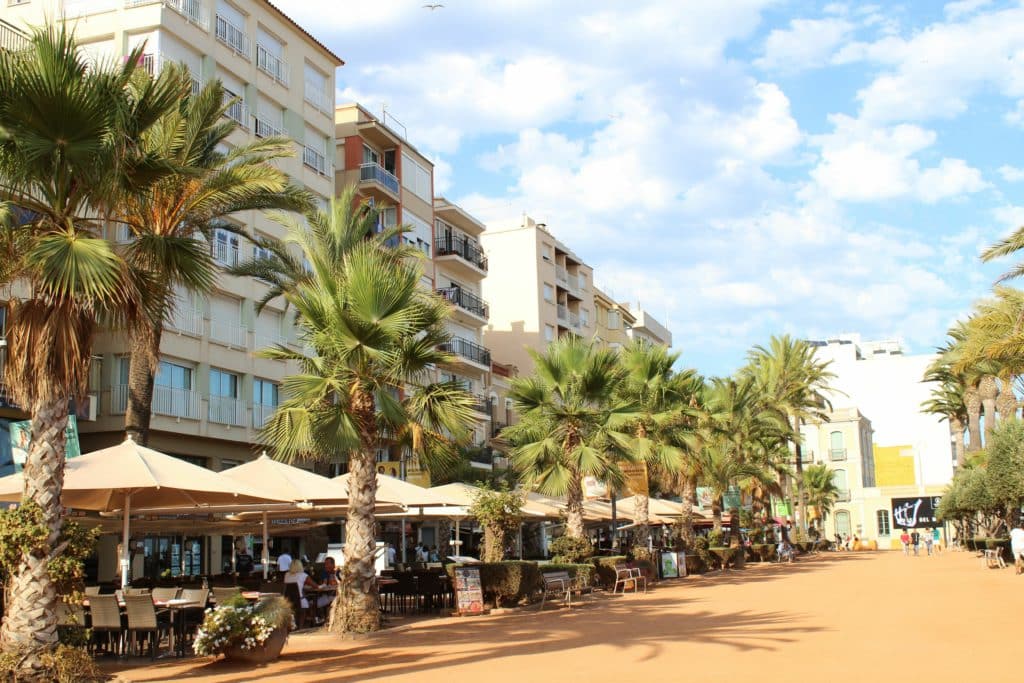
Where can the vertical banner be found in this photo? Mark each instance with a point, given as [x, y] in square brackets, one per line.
[21, 439]
[636, 478]
[469, 594]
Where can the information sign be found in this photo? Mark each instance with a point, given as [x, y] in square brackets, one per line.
[469, 594]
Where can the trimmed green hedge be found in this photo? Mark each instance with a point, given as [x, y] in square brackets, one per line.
[584, 573]
[605, 567]
[507, 583]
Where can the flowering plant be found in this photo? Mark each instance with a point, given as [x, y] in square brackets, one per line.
[235, 623]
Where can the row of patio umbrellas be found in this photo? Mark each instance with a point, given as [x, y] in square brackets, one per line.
[130, 477]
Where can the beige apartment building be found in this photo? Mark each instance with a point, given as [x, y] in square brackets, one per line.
[613, 322]
[212, 394]
[538, 289]
[646, 327]
[374, 154]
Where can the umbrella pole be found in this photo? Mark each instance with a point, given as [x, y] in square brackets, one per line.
[265, 555]
[126, 513]
[458, 543]
[403, 541]
[520, 540]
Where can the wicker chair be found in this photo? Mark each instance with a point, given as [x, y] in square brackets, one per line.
[106, 622]
[144, 619]
[192, 617]
[163, 594]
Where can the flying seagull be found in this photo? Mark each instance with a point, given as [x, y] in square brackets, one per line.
[433, 6]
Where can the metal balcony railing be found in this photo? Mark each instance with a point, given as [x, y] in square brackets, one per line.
[837, 454]
[315, 160]
[482, 404]
[457, 245]
[272, 65]
[176, 402]
[238, 111]
[11, 38]
[843, 497]
[119, 399]
[378, 174]
[154, 62]
[262, 127]
[187, 322]
[229, 334]
[261, 414]
[190, 9]
[227, 411]
[467, 349]
[465, 300]
[266, 341]
[232, 36]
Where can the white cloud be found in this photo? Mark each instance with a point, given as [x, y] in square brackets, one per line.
[951, 178]
[805, 44]
[1015, 117]
[1010, 216]
[962, 8]
[1011, 174]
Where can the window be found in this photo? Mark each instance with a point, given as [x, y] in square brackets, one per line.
[549, 293]
[839, 479]
[545, 252]
[265, 392]
[225, 408]
[370, 155]
[843, 523]
[836, 449]
[614, 320]
[549, 333]
[416, 179]
[582, 280]
[170, 375]
[883, 522]
[316, 88]
[172, 390]
[226, 464]
[230, 28]
[585, 317]
[225, 247]
[223, 384]
[270, 56]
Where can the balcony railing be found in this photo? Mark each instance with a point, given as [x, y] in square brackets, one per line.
[229, 334]
[568, 317]
[314, 159]
[457, 245]
[482, 404]
[232, 36]
[176, 402]
[225, 253]
[154, 62]
[238, 111]
[190, 9]
[262, 127]
[378, 174]
[465, 300]
[11, 38]
[843, 497]
[119, 399]
[227, 411]
[266, 341]
[187, 322]
[468, 350]
[837, 453]
[271, 64]
[565, 277]
[261, 414]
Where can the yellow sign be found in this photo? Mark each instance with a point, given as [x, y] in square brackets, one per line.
[636, 478]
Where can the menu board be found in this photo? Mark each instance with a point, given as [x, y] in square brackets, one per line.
[469, 594]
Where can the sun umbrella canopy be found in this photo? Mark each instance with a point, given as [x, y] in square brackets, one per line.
[655, 506]
[466, 494]
[393, 490]
[100, 481]
[288, 482]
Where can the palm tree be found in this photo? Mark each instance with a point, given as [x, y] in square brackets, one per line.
[948, 367]
[572, 425]
[661, 397]
[1007, 246]
[788, 371]
[822, 492]
[173, 220]
[69, 146]
[375, 336]
[947, 401]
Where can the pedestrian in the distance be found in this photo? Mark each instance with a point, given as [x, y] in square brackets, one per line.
[1017, 546]
[928, 540]
[937, 538]
[905, 540]
[915, 540]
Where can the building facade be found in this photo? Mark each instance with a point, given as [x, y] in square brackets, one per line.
[613, 322]
[646, 327]
[539, 290]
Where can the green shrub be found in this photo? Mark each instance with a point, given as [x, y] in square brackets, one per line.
[507, 583]
[722, 555]
[717, 539]
[700, 549]
[583, 573]
[64, 664]
[567, 550]
[605, 568]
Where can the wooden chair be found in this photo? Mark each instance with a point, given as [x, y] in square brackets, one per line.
[105, 614]
[144, 619]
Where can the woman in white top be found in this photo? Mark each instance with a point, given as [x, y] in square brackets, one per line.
[297, 574]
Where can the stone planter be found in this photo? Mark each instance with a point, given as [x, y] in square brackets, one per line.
[268, 652]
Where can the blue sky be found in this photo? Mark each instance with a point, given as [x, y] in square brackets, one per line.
[742, 168]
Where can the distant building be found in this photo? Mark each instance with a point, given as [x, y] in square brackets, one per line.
[613, 322]
[647, 328]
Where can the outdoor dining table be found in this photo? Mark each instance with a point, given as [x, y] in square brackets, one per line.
[173, 606]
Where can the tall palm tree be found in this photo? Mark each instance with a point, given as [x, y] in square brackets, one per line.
[375, 336]
[789, 372]
[173, 221]
[948, 367]
[822, 492]
[947, 401]
[1007, 246]
[572, 423]
[661, 397]
[69, 146]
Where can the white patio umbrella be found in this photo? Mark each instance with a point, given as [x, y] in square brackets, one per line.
[128, 474]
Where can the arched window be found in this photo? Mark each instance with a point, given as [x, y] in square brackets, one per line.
[843, 523]
[883, 522]
[837, 451]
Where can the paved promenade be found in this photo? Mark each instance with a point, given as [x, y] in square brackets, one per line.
[833, 617]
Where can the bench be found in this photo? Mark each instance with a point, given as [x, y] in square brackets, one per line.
[629, 577]
[994, 559]
[560, 585]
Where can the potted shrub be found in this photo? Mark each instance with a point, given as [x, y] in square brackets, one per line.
[243, 632]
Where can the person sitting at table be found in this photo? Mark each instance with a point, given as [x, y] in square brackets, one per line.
[328, 579]
[297, 574]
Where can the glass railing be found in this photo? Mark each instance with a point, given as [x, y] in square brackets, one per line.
[230, 334]
[376, 173]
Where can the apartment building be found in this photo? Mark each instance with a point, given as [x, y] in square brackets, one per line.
[212, 394]
[375, 156]
[613, 322]
[646, 327]
[538, 288]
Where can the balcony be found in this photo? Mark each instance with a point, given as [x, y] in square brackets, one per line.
[233, 37]
[227, 411]
[466, 301]
[567, 317]
[836, 454]
[315, 160]
[229, 334]
[468, 350]
[272, 65]
[154, 62]
[186, 322]
[225, 253]
[375, 173]
[463, 248]
[11, 38]
[180, 403]
[261, 415]
[482, 405]
[192, 10]
[843, 497]
[238, 112]
[262, 127]
[267, 341]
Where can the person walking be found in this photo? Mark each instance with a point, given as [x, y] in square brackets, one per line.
[915, 539]
[284, 562]
[1017, 546]
[928, 541]
[905, 540]
[937, 538]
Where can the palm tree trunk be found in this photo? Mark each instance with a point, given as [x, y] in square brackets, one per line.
[800, 506]
[30, 620]
[956, 430]
[444, 532]
[989, 391]
[1006, 403]
[142, 369]
[574, 507]
[689, 498]
[494, 543]
[716, 514]
[641, 516]
[972, 401]
[355, 610]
